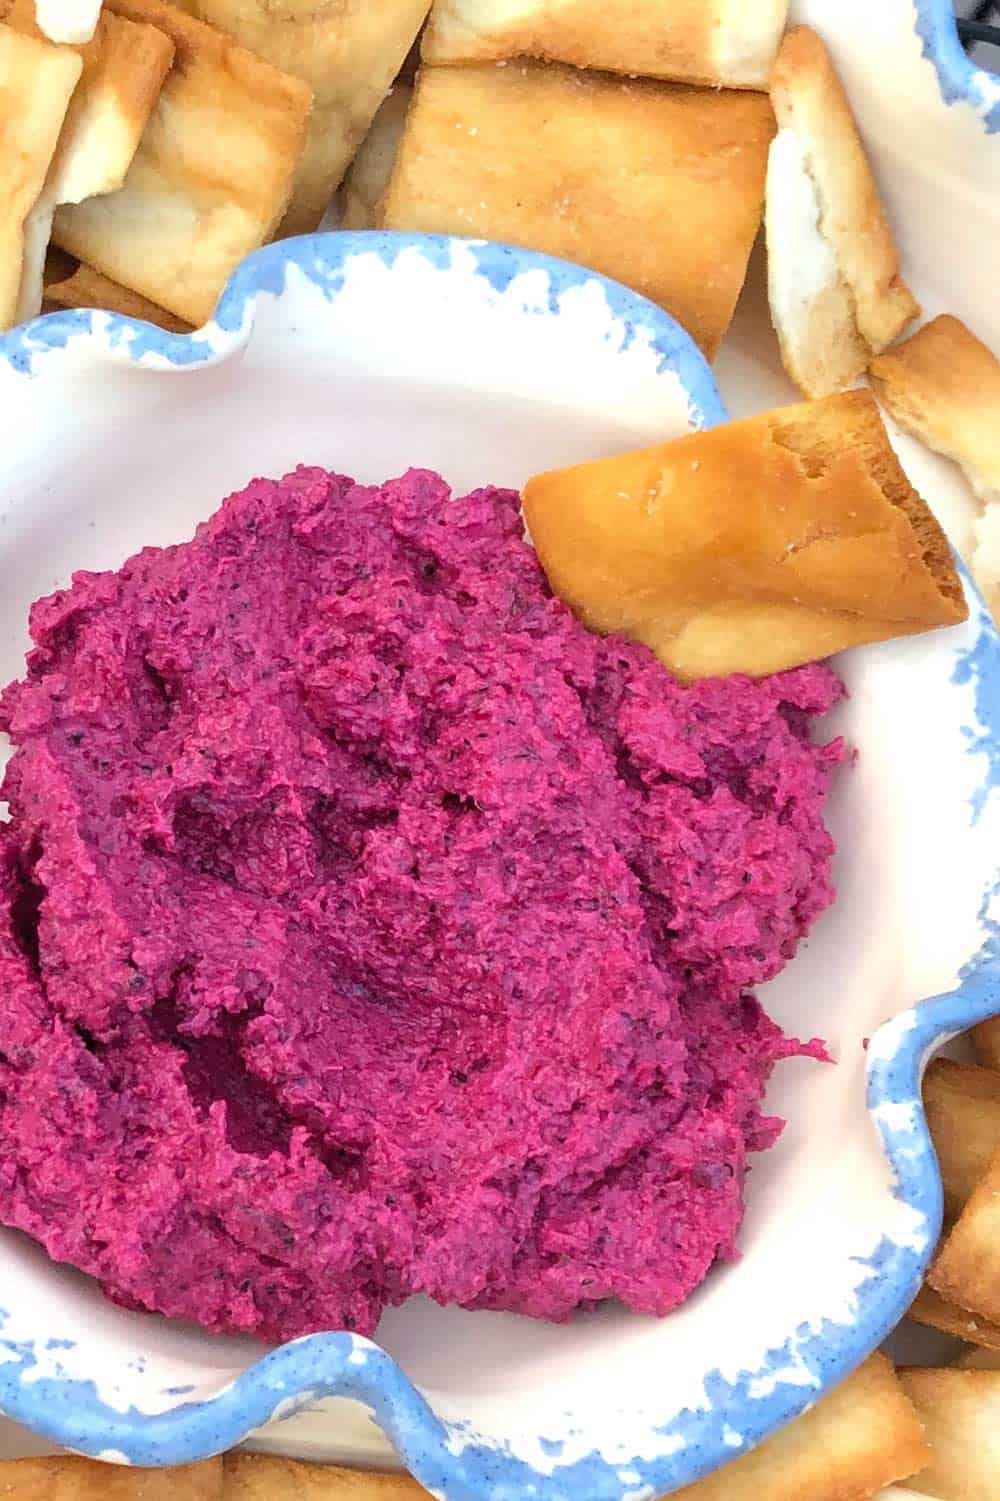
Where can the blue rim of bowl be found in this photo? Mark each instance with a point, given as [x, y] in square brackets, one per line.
[446, 1458]
[959, 79]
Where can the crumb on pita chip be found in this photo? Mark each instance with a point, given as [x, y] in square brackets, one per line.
[264, 1477]
[348, 55]
[986, 1040]
[87, 288]
[935, 1312]
[211, 177]
[860, 1436]
[657, 185]
[966, 1270]
[64, 1477]
[368, 178]
[37, 81]
[961, 1414]
[962, 1103]
[754, 546]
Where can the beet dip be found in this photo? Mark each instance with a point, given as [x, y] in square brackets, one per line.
[368, 927]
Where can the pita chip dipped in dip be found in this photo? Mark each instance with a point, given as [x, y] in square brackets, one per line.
[751, 548]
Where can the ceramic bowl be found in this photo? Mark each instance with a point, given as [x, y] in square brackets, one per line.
[367, 354]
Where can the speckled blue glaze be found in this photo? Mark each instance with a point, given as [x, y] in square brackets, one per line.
[959, 78]
[451, 1460]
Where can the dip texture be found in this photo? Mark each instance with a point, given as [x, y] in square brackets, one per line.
[368, 927]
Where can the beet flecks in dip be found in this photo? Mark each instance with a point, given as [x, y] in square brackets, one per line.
[368, 927]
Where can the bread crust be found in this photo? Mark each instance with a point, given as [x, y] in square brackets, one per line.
[657, 185]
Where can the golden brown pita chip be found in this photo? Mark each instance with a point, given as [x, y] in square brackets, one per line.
[986, 1039]
[862, 1435]
[834, 286]
[368, 178]
[966, 1270]
[37, 81]
[937, 1313]
[211, 178]
[87, 288]
[123, 68]
[261, 1477]
[348, 54]
[731, 43]
[66, 1478]
[963, 1115]
[752, 547]
[657, 185]
[961, 1414]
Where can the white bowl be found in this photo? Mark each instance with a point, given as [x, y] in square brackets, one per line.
[367, 354]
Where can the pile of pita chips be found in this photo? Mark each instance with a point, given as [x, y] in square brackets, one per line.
[752, 547]
[211, 178]
[123, 68]
[348, 55]
[37, 81]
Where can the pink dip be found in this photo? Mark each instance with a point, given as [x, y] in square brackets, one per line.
[368, 927]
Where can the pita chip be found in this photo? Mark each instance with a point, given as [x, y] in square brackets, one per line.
[860, 1436]
[725, 43]
[37, 81]
[366, 183]
[211, 178]
[87, 288]
[64, 1477]
[348, 55]
[752, 547]
[960, 1411]
[124, 66]
[657, 185]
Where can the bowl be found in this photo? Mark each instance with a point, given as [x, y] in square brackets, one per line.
[371, 352]
[367, 353]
